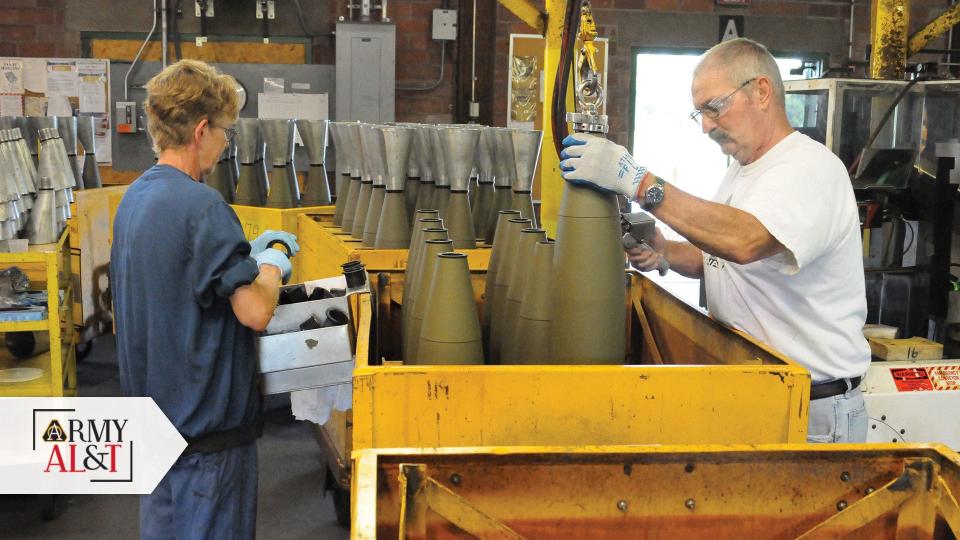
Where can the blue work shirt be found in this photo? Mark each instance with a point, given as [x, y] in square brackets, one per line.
[178, 340]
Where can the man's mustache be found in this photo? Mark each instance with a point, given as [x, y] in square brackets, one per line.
[719, 136]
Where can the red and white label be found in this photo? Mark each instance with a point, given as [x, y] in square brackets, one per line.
[911, 379]
[945, 377]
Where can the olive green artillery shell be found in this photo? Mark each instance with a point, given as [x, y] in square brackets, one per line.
[350, 205]
[450, 332]
[533, 326]
[375, 208]
[431, 249]
[518, 281]
[589, 324]
[496, 254]
[511, 241]
[502, 197]
[360, 214]
[460, 221]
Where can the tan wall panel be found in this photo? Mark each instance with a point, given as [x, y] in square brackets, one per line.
[236, 52]
[111, 177]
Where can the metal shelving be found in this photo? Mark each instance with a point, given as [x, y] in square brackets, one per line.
[48, 267]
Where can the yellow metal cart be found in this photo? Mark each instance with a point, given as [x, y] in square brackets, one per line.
[718, 492]
[48, 268]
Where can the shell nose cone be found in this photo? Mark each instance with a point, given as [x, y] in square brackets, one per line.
[526, 151]
[459, 148]
[397, 146]
[314, 136]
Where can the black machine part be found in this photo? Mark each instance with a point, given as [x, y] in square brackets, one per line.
[638, 228]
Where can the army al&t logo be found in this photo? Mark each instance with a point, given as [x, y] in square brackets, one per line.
[94, 446]
[87, 445]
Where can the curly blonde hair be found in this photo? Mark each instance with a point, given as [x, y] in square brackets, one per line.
[182, 95]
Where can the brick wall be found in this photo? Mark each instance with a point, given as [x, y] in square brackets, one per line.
[418, 64]
[36, 28]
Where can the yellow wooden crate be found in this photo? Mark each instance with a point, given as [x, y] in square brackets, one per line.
[766, 492]
[255, 220]
[716, 386]
[48, 268]
[325, 247]
[912, 349]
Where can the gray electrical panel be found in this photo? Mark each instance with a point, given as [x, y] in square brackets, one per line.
[366, 66]
[132, 152]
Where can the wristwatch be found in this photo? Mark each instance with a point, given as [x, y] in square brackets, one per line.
[653, 196]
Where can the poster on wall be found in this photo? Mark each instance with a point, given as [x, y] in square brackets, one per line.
[59, 87]
[11, 77]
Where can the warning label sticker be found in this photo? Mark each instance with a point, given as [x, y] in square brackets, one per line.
[911, 379]
[945, 377]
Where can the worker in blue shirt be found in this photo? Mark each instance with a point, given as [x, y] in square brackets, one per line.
[189, 295]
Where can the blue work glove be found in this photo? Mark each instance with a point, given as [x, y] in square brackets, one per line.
[600, 163]
[275, 257]
[261, 242]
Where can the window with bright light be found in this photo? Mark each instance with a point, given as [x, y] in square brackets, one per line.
[671, 145]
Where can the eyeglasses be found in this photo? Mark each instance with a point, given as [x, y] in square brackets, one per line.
[717, 106]
[229, 133]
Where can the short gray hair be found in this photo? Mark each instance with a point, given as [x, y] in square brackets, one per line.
[743, 59]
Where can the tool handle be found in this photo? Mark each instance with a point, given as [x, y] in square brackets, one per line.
[286, 249]
[664, 266]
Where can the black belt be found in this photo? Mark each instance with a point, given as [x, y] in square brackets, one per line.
[833, 388]
[223, 440]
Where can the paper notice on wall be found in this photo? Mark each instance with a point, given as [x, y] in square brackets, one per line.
[93, 95]
[34, 106]
[103, 132]
[62, 78]
[11, 77]
[59, 106]
[92, 86]
[11, 105]
[299, 106]
[35, 75]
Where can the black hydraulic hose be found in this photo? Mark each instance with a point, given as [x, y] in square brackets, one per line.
[569, 39]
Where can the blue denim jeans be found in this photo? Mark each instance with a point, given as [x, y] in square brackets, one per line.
[838, 419]
[204, 496]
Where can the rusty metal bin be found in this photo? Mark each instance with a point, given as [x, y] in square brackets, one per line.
[717, 492]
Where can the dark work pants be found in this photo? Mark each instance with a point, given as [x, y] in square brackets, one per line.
[204, 496]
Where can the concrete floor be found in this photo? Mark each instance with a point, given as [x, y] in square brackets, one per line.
[291, 504]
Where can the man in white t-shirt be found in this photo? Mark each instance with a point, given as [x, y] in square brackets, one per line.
[778, 247]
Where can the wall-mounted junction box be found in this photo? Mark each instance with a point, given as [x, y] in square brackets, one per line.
[444, 24]
[126, 117]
